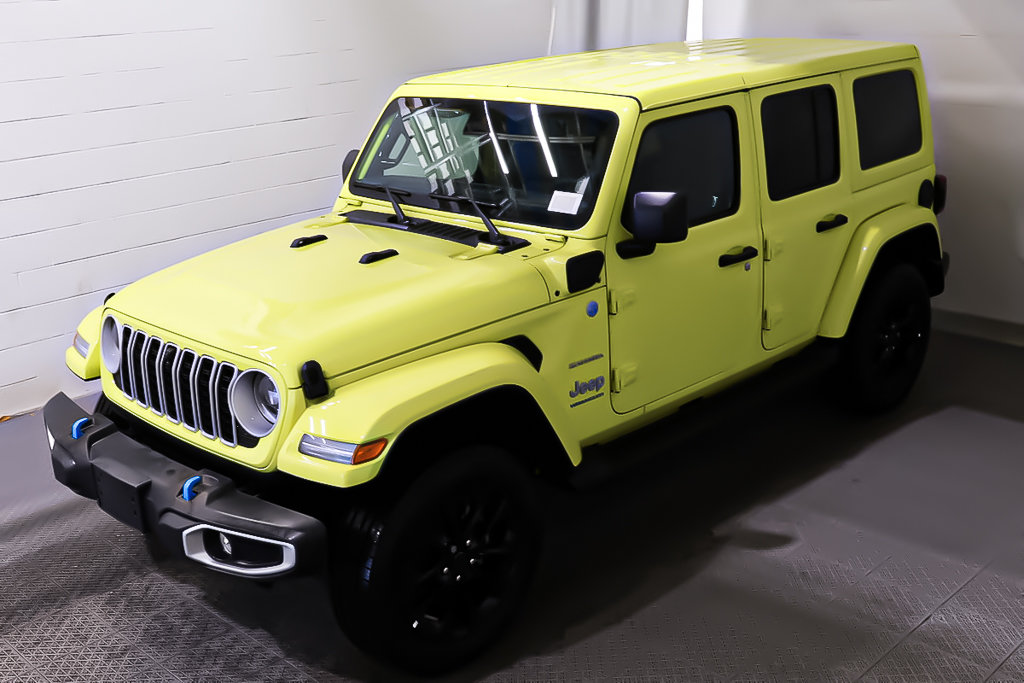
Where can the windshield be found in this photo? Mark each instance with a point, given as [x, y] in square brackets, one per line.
[524, 163]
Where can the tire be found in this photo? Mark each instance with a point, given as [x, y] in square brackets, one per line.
[428, 582]
[887, 340]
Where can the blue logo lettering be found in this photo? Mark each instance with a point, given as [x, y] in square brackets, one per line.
[585, 387]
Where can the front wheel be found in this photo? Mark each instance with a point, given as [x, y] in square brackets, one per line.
[431, 579]
[888, 337]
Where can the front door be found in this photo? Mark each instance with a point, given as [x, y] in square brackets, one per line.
[690, 311]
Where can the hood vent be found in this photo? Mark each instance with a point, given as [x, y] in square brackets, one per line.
[307, 240]
[374, 256]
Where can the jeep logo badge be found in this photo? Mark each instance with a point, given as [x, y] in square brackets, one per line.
[584, 387]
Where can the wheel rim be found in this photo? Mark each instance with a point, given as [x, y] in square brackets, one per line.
[465, 565]
[900, 338]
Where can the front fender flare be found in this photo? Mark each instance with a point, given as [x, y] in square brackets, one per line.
[383, 405]
[865, 245]
[87, 368]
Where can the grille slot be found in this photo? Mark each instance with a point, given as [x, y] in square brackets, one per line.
[205, 370]
[151, 377]
[183, 377]
[165, 377]
[180, 385]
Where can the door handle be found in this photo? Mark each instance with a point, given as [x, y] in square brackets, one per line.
[729, 259]
[830, 223]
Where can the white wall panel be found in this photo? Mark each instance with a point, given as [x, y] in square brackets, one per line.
[85, 168]
[136, 133]
[601, 24]
[973, 52]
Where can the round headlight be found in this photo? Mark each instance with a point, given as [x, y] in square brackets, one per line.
[267, 399]
[110, 344]
[256, 402]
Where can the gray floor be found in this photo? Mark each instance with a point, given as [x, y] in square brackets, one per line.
[795, 543]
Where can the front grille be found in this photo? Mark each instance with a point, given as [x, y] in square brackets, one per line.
[180, 385]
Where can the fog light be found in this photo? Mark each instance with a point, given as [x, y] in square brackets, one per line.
[225, 543]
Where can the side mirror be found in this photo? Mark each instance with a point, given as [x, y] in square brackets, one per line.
[654, 218]
[348, 163]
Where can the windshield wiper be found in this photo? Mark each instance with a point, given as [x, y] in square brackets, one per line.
[496, 237]
[400, 216]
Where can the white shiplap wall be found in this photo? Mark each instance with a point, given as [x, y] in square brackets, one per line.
[973, 54]
[137, 133]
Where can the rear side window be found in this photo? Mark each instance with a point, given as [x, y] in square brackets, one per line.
[801, 140]
[694, 155]
[888, 117]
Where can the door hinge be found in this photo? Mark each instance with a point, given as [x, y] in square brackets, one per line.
[772, 249]
[619, 299]
[772, 316]
[623, 376]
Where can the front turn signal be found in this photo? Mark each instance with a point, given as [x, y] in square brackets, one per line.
[368, 451]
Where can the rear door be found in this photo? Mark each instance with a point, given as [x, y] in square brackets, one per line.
[806, 208]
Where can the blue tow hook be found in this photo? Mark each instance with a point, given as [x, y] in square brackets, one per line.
[188, 489]
[78, 427]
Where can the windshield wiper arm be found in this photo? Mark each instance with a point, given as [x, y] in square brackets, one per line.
[496, 237]
[391, 192]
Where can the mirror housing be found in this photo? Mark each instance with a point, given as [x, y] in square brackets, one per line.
[348, 163]
[654, 218]
[658, 217]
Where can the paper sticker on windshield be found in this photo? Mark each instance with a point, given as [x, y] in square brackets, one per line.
[565, 202]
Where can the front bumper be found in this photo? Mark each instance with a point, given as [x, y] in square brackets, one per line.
[220, 526]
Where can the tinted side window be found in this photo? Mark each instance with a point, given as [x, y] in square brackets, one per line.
[888, 117]
[694, 155]
[801, 140]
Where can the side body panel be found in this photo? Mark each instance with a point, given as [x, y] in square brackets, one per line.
[887, 194]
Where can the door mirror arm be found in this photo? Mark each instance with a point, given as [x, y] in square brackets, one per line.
[633, 248]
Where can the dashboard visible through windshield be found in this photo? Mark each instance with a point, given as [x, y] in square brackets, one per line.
[520, 162]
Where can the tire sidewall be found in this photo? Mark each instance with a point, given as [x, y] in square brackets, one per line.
[872, 388]
[368, 610]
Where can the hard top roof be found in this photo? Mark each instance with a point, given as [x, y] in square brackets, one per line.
[664, 73]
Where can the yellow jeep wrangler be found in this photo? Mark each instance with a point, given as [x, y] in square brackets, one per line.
[526, 261]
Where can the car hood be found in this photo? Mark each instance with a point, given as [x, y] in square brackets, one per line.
[264, 300]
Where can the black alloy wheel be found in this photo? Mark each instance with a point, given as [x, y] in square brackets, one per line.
[887, 341]
[442, 573]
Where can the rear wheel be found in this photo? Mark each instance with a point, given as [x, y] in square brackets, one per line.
[888, 337]
[432, 579]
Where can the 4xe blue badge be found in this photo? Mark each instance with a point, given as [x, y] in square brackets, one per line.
[592, 309]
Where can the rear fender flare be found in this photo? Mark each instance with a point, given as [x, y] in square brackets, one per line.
[869, 241]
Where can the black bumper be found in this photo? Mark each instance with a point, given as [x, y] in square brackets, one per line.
[221, 527]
